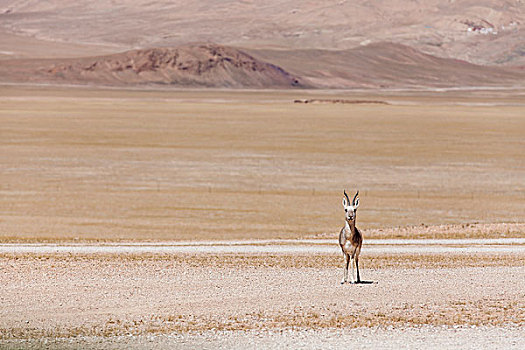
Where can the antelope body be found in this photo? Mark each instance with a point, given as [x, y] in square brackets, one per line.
[350, 239]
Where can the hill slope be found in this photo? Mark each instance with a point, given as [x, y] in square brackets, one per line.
[203, 65]
[387, 65]
[478, 31]
[382, 65]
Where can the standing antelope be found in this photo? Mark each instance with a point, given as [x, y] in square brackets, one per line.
[350, 239]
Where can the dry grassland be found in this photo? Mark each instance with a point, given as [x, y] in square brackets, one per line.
[278, 260]
[81, 164]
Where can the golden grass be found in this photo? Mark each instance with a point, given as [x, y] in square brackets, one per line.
[452, 231]
[375, 261]
[103, 165]
[458, 231]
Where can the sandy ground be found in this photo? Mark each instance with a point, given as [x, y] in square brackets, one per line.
[233, 300]
[307, 246]
[426, 337]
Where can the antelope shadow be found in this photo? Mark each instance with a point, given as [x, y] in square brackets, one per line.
[362, 282]
[366, 282]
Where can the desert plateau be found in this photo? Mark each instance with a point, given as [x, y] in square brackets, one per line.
[171, 174]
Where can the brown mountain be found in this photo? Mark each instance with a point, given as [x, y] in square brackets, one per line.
[327, 44]
[381, 65]
[483, 32]
[203, 65]
[387, 65]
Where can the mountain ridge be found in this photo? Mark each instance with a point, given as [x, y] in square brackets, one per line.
[483, 32]
[205, 65]
[196, 65]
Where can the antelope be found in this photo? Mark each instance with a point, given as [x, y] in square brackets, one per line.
[350, 239]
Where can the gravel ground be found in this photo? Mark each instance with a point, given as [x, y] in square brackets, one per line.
[239, 301]
[427, 337]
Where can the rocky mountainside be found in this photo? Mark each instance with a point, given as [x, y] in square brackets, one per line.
[270, 44]
[381, 65]
[203, 65]
[486, 32]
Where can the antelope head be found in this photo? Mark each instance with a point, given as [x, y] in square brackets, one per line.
[350, 207]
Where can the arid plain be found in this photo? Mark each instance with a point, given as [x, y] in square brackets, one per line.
[81, 164]
[171, 175]
[91, 167]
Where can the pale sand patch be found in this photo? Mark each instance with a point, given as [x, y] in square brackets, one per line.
[425, 337]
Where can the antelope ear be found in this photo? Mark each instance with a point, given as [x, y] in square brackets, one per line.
[356, 203]
[345, 204]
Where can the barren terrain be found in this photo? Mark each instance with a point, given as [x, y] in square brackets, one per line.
[171, 173]
[202, 65]
[382, 65]
[484, 32]
[278, 44]
[97, 299]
